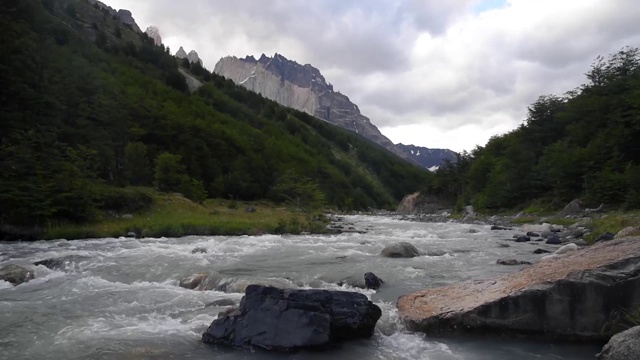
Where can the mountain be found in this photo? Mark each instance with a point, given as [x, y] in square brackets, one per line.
[93, 112]
[428, 158]
[154, 33]
[192, 56]
[123, 15]
[302, 87]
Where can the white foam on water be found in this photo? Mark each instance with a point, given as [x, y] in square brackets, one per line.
[134, 327]
[408, 346]
[390, 322]
[5, 285]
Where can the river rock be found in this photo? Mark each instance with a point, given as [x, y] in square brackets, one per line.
[533, 234]
[537, 228]
[372, 282]
[541, 251]
[199, 250]
[240, 284]
[572, 209]
[580, 243]
[567, 249]
[60, 262]
[523, 239]
[355, 281]
[472, 231]
[512, 262]
[435, 253]
[193, 281]
[221, 302]
[498, 227]
[605, 237]
[286, 320]
[622, 346]
[553, 240]
[570, 296]
[628, 231]
[15, 274]
[400, 250]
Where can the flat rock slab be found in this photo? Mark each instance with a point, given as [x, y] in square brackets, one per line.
[572, 296]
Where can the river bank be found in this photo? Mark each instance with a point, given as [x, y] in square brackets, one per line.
[172, 215]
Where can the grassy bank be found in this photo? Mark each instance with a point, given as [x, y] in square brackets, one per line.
[612, 222]
[597, 223]
[172, 215]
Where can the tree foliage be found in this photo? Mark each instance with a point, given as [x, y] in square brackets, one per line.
[88, 104]
[583, 144]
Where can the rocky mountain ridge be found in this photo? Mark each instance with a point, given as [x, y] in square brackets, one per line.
[428, 158]
[302, 87]
[154, 33]
[123, 15]
[192, 56]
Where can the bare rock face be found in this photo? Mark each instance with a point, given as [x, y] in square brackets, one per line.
[181, 54]
[192, 56]
[126, 17]
[123, 15]
[302, 87]
[154, 33]
[570, 296]
[193, 83]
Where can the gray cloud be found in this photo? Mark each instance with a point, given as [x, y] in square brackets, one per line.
[440, 66]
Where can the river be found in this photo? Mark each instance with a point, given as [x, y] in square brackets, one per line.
[120, 299]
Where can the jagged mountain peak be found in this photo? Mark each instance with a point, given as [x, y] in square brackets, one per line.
[123, 15]
[181, 54]
[302, 87]
[428, 157]
[154, 33]
[192, 56]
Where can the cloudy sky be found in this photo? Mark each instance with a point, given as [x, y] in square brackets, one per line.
[435, 73]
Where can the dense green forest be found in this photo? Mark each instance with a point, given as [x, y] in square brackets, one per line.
[584, 144]
[92, 114]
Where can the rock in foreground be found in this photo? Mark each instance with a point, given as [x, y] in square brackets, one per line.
[622, 346]
[570, 296]
[286, 320]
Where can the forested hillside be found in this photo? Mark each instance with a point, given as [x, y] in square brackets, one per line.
[583, 144]
[93, 112]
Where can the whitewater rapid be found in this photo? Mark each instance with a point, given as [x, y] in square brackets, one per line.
[120, 299]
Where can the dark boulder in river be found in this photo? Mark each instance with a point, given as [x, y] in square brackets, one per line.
[60, 262]
[571, 296]
[400, 250]
[291, 319]
[372, 282]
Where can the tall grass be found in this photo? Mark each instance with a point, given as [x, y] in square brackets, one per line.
[612, 222]
[175, 216]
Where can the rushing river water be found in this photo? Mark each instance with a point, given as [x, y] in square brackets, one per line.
[119, 298]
